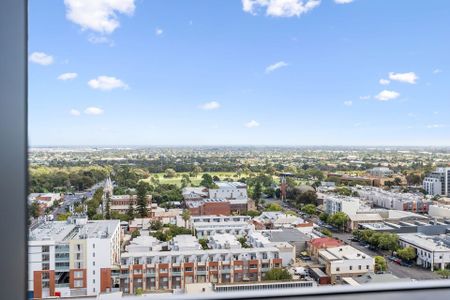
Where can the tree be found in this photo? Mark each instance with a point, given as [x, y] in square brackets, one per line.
[108, 207]
[156, 225]
[170, 173]
[408, 253]
[338, 219]
[135, 234]
[273, 207]
[324, 217]
[138, 292]
[326, 232]
[397, 181]
[33, 210]
[207, 181]
[388, 241]
[257, 192]
[185, 180]
[216, 178]
[63, 217]
[444, 273]
[130, 210]
[203, 243]
[253, 213]
[195, 171]
[186, 215]
[380, 264]
[278, 274]
[142, 201]
[243, 242]
[309, 209]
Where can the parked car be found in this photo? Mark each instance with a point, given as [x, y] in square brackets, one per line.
[406, 264]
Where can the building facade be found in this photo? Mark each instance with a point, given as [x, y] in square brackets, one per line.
[72, 258]
[438, 182]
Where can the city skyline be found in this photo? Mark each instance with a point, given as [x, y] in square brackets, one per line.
[285, 73]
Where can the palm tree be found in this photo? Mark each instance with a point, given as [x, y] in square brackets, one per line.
[186, 215]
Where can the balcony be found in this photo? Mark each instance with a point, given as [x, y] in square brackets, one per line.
[176, 273]
[201, 272]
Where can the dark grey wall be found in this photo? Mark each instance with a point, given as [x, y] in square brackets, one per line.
[13, 149]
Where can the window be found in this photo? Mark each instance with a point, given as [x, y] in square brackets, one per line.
[78, 283]
[281, 72]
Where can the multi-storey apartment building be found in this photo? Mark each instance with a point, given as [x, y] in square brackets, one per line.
[234, 192]
[347, 205]
[438, 182]
[433, 251]
[169, 270]
[205, 226]
[209, 207]
[72, 258]
[345, 261]
[395, 200]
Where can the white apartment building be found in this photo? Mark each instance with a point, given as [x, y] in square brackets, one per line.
[438, 182]
[348, 205]
[345, 261]
[229, 191]
[205, 226]
[433, 252]
[439, 211]
[70, 258]
[169, 270]
[395, 200]
[224, 241]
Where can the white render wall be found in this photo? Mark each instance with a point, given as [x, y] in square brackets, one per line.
[439, 211]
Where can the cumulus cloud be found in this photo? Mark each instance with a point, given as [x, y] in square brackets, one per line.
[67, 76]
[159, 31]
[279, 8]
[367, 97]
[210, 105]
[409, 77]
[74, 112]
[275, 66]
[387, 95]
[92, 110]
[98, 15]
[41, 58]
[437, 71]
[251, 124]
[384, 81]
[106, 83]
[343, 1]
[348, 103]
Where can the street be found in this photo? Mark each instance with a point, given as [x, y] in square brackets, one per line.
[414, 272]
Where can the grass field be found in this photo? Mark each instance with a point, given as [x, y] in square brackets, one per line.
[195, 180]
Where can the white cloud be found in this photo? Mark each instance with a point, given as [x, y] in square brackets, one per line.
[273, 67]
[387, 95]
[95, 111]
[67, 76]
[279, 8]
[100, 39]
[348, 103]
[384, 81]
[74, 112]
[437, 71]
[411, 115]
[343, 1]
[159, 31]
[98, 15]
[409, 77]
[41, 58]
[367, 97]
[210, 105]
[252, 124]
[106, 83]
[433, 126]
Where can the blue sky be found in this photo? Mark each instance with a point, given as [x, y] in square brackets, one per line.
[253, 72]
